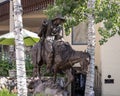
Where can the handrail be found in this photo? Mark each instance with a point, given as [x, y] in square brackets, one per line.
[28, 6]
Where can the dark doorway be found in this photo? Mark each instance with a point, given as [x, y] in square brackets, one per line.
[78, 85]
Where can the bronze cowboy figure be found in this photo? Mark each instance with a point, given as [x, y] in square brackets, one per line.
[42, 52]
[57, 54]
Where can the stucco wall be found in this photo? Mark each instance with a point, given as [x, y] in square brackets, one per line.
[110, 57]
[76, 47]
[84, 47]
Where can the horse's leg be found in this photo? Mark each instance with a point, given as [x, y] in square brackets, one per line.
[48, 55]
[69, 77]
[39, 74]
[34, 54]
[55, 75]
[49, 63]
[35, 71]
[55, 69]
[48, 68]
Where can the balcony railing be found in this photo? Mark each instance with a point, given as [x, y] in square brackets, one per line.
[34, 5]
[4, 10]
[28, 6]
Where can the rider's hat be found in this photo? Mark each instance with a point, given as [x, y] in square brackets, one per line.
[59, 17]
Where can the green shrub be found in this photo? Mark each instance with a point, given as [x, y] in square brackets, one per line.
[5, 92]
[6, 64]
[28, 65]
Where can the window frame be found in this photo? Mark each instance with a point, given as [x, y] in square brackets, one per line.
[72, 36]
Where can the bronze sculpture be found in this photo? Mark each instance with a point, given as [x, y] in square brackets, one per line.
[42, 52]
[57, 54]
[65, 57]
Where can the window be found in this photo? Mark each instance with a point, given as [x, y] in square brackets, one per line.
[79, 34]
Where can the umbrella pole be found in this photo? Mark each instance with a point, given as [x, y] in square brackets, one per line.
[11, 27]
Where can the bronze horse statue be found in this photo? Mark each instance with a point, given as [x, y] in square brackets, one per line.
[55, 53]
[63, 59]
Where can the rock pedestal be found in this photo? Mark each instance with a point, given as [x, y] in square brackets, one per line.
[47, 87]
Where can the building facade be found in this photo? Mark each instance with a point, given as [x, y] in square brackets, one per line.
[110, 66]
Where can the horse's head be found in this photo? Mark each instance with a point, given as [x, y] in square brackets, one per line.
[86, 56]
[85, 61]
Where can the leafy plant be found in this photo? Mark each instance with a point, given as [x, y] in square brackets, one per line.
[4, 67]
[73, 10]
[5, 64]
[29, 65]
[5, 92]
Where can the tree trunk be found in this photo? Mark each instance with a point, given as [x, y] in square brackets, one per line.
[11, 29]
[19, 46]
[91, 49]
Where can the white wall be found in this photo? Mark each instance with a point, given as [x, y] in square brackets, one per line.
[110, 58]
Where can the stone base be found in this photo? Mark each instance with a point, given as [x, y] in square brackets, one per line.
[47, 87]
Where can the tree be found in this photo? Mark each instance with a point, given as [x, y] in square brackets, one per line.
[91, 49]
[19, 48]
[107, 11]
[75, 11]
[94, 11]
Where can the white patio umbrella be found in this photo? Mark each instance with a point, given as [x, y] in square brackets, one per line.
[30, 38]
